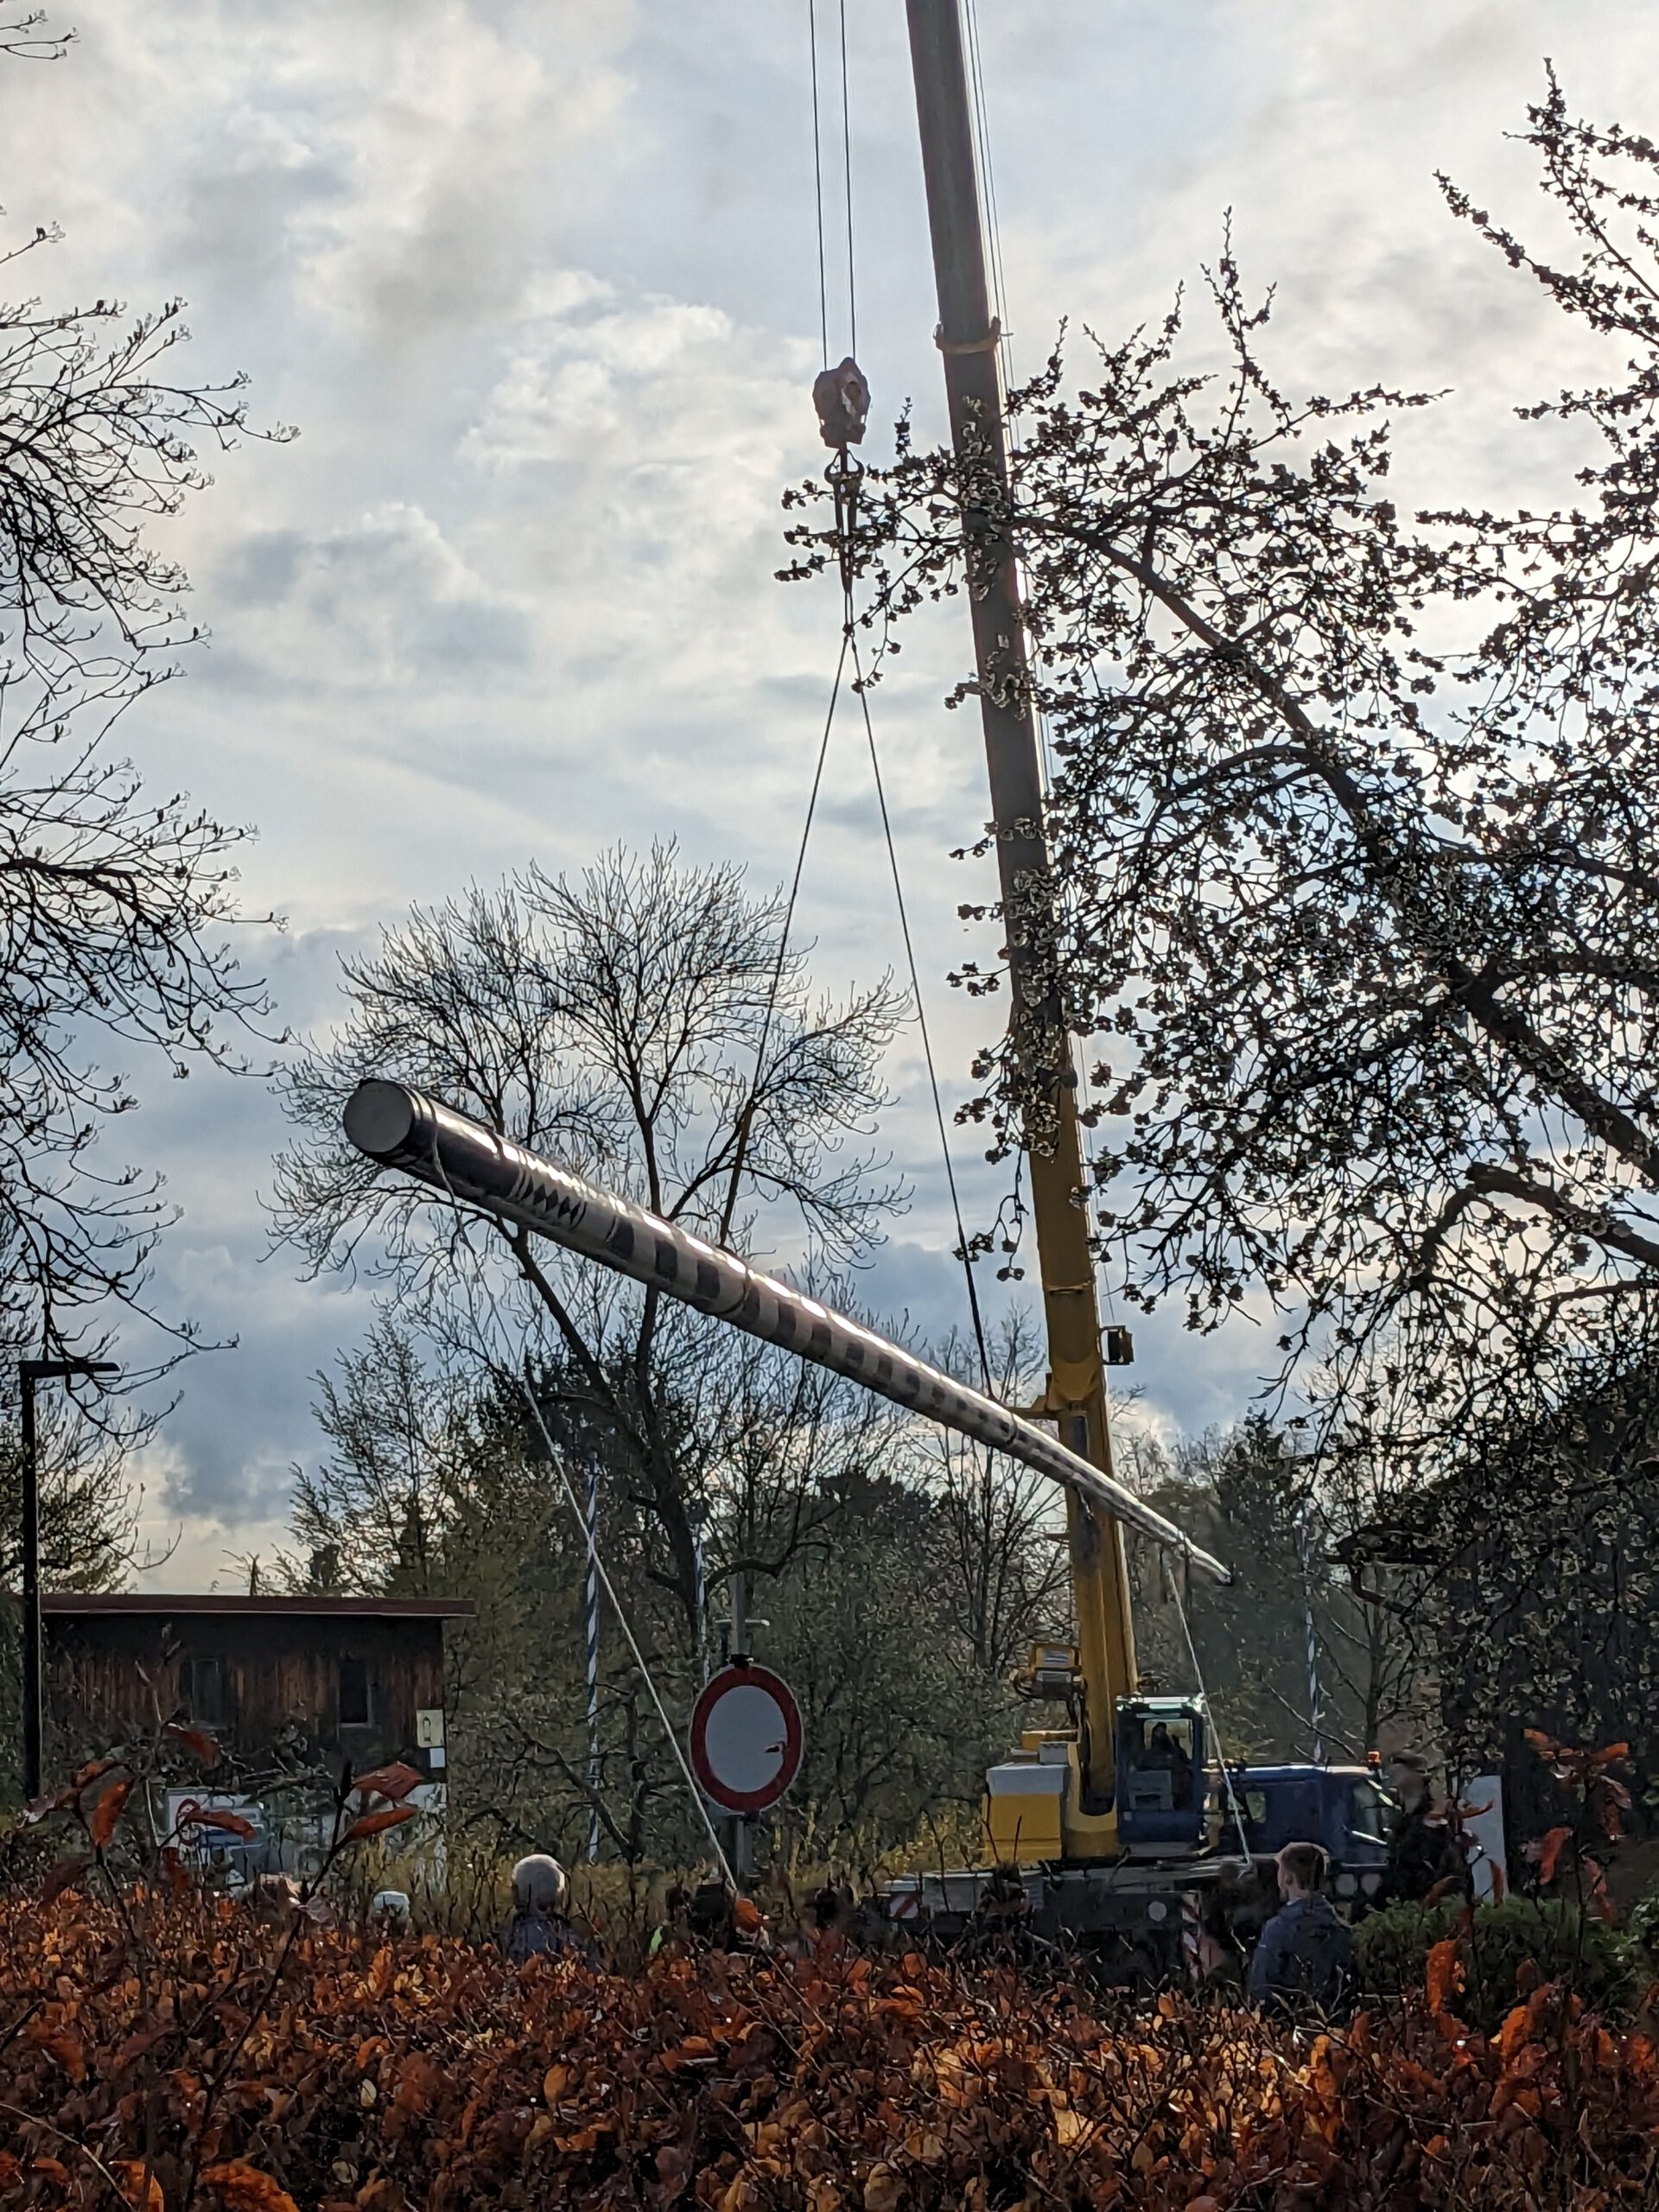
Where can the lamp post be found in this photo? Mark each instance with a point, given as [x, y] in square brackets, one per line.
[30, 1372]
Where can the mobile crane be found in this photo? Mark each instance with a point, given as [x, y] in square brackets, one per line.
[1111, 1819]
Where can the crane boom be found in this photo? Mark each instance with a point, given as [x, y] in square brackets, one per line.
[451, 1153]
[1041, 1049]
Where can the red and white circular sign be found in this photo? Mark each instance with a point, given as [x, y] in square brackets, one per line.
[746, 1738]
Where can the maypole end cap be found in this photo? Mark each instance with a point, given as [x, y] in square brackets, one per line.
[380, 1117]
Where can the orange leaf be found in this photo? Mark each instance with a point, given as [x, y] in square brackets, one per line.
[64, 2048]
[882, 2189]
[377, 1823]
[244, 2188]
[395, 1781]
[63, 1876]
[143, 2195]
[105, 1815]
[1443, 1974]
[219, 1818]
[1550, 1852]
[197, 1740]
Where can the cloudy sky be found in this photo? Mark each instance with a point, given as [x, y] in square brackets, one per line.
[539, 284]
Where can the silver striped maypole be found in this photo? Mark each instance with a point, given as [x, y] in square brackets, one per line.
[464, 1161]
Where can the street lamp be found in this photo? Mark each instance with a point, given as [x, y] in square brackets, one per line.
[30, 1372]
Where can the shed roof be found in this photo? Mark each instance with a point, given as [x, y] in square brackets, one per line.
[168, 1605]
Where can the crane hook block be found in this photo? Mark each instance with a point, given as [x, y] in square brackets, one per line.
[842, 399]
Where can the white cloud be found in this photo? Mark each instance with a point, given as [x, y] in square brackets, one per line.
[540, 286]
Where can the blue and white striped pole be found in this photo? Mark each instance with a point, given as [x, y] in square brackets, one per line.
[702, 1598]
[593, 1656]
[1315, 1693]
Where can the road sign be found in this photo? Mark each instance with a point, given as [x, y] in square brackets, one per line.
[746, 1738]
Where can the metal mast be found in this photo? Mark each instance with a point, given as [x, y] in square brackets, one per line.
[967, 339]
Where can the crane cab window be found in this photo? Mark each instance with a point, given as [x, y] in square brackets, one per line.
[1160, 1763]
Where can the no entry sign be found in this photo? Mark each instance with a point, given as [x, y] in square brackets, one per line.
[746, 1739]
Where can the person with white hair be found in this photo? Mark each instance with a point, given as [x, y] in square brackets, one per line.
[388, 1913]
[540, 1924]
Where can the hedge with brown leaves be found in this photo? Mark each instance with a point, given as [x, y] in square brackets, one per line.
[169, 2055]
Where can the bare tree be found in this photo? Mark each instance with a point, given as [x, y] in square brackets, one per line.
[643, 1023]
[114, 908]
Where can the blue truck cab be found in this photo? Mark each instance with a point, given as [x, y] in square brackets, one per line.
[1343, 1808]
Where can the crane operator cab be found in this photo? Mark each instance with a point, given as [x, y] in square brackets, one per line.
[1161, 1792]
[1159, 1807]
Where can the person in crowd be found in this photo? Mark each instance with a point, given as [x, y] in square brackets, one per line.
[833, 1911]
[718, 1919]
[673, 1933]
[540, 1925]
[1303, 1960]
[1001, 1931]
[389, 1916]
[1422, 1848]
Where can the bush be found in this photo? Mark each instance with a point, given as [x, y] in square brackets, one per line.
[219, 2060]
[1512, 1945]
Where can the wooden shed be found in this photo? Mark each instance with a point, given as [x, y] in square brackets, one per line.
[321, 1681]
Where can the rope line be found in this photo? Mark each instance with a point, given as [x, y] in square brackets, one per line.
[1245, 1852]
[921, 1012]
[746, 1118]
[596, 1566]
[590, 1537]
[817, 180]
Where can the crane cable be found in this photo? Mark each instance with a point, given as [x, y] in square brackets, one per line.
[862, 695]
[590, 1544]
[844, 481]
[817, 178]
[746, 1117]
[1246, 1856]
[847, 166]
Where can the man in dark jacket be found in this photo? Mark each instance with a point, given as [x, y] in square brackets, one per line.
[1304, 1960]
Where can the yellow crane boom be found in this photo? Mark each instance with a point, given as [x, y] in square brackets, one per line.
[967, 339]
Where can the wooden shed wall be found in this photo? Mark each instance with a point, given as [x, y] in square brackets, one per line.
[280, 1678]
